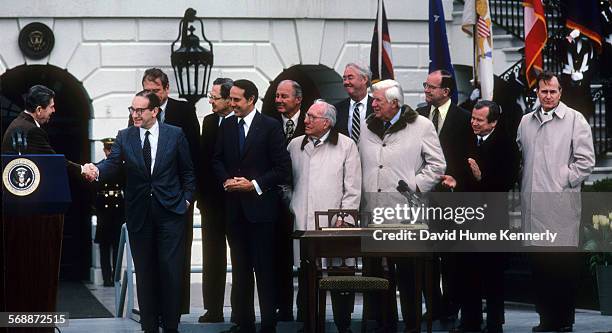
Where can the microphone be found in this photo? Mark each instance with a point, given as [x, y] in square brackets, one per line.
[402, 186]
[19, 141]
[406, 192]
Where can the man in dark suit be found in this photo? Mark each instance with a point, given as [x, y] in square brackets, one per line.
[159, 189]
[211, 205]
[351, 116]
[288, 102]
[494, 169]
[353, 111]
[251, 161]
[40, 106]
[180, 114]
[453, 126]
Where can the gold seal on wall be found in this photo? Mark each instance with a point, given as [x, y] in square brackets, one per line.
[21, 177]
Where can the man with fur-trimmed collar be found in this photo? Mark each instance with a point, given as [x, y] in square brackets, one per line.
[398, 144]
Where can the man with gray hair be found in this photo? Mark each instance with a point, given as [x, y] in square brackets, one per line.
[288, 101]
[317, 158]
[398, 144]
[353, 111]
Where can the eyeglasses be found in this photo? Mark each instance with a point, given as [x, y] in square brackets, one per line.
[136, 111]
[311, 117]
[427, 85]
[214, 98]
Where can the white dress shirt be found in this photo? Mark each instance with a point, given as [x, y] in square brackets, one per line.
[248, 120]
[153, 138]
[363, 108]
[443, 112]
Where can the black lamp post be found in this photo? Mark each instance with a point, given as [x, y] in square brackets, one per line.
[191, 62]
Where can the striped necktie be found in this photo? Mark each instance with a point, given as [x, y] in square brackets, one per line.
[355, 123]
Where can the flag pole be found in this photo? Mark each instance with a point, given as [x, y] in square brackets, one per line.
[475, 50]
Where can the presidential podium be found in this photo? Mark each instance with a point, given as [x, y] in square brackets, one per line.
[35, 196]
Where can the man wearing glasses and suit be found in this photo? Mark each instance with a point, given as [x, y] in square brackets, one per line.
[159, 189]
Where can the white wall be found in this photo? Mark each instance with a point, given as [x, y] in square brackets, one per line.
[107, 45]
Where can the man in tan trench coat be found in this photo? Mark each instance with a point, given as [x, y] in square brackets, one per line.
[326, 175]
[558, 156]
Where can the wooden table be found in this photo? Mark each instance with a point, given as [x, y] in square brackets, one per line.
[347, 242]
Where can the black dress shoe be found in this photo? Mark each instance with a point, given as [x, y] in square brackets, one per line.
[267, 329]
[284, 316]
[152, 331]
[462, 329]
[240, 329]
[210, 317]
[493, 329]
[543, 328]
[171, 330]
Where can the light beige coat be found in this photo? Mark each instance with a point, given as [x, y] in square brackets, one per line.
[412, 153]
[558, 155]
[324, 177]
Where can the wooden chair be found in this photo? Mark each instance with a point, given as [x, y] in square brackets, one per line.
[348, 278]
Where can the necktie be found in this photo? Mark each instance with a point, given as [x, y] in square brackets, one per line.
[355, 124]
[146, 151]
[387, 125]
[480, 140]
[436, 118]
[316, 142]
[241, 136]
[289, 129]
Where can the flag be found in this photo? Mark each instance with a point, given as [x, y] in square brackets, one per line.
[381, 60]
[476, 21]
[584, 16]
[535, 39]
[439, 55]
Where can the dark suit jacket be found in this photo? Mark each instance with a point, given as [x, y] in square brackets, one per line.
[182, 114]
[299, 127]
[343, 111]
[264, 159]
[457, 141]
[171, 183]
[498, 159]
[211, 192]
[37, 140]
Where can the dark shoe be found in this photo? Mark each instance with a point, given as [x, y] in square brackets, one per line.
[152, 331]
[569, 328]
[108, 284]
[284, 316]
[543, 328]
[461, 329]
[268, 329]
[171, 330]
[240, 329]
[210, 317]
[494, 329]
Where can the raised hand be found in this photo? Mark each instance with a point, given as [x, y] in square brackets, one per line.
[475, 169]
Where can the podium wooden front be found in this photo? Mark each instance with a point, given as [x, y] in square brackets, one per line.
[31, 233]
[32, 252]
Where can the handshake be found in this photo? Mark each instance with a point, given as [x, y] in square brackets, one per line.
[90, 172]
